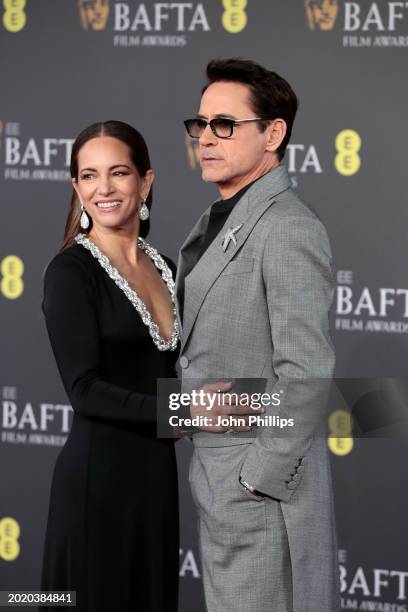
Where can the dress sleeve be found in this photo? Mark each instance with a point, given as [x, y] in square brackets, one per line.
[72, 324]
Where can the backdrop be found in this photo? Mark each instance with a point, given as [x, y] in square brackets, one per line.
[67, 64]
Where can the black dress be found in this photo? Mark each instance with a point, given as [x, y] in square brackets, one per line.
[112, 532]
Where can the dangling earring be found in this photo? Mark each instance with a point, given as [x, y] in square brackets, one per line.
[144, 213]
[84, 221]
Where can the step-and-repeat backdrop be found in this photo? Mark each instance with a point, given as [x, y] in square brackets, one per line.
[67, 64]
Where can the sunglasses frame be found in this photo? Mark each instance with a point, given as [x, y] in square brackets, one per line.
[213, 123]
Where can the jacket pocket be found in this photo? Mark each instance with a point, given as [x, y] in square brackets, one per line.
[239, 266]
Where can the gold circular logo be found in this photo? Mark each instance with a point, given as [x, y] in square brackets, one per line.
[14, 17]
[9, 534]
[234, 17]
[348, 144]
[340, 441]
[12, 269]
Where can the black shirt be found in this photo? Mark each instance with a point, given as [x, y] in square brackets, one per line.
[220, 212]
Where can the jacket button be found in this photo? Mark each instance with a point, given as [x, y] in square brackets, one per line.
[184, 362]
[292, 485]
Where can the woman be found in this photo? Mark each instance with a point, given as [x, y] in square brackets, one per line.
[112, 533]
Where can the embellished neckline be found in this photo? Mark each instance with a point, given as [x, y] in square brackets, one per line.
[139, 305]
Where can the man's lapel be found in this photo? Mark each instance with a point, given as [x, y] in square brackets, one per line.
[246, 213]
[186, 255]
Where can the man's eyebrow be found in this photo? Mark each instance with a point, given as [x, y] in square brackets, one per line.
[217, 116]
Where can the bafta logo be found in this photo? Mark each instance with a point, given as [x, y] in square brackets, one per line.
[94, 13]
[192, 152]
[321, 14]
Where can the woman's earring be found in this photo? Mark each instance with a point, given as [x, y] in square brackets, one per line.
[84, 221]
[144, 213]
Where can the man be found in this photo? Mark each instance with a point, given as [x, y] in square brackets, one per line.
[254, 288]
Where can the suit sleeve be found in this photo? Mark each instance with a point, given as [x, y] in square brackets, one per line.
[299, 290]
[71, 319]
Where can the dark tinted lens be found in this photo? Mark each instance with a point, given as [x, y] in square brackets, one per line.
[223, 127]
[195, 127]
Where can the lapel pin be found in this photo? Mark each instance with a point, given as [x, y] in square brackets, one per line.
[230, 236]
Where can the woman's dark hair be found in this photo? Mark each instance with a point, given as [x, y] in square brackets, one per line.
[271, 96]
[138, 154]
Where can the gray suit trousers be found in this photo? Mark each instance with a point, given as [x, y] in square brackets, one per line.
[243, 539]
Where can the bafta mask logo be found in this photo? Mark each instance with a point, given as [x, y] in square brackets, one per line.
[321, 14]
[193, 154]
[94, 13]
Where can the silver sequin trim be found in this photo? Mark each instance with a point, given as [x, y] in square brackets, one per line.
[139, 305]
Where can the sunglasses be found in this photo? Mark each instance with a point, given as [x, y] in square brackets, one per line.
[222, 128]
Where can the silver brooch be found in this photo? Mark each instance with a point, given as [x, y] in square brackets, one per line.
[230, 236]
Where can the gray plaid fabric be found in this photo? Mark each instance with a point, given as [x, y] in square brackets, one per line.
[259, 309]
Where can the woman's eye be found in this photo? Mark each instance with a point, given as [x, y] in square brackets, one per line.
[86, 176]
[120, 173]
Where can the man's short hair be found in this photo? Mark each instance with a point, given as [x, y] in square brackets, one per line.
[271, 95]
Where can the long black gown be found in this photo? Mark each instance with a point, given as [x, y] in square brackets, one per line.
[112, 532]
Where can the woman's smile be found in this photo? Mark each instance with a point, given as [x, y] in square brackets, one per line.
[108, 205]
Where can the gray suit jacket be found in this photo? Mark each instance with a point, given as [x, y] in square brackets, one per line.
[260, 309]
